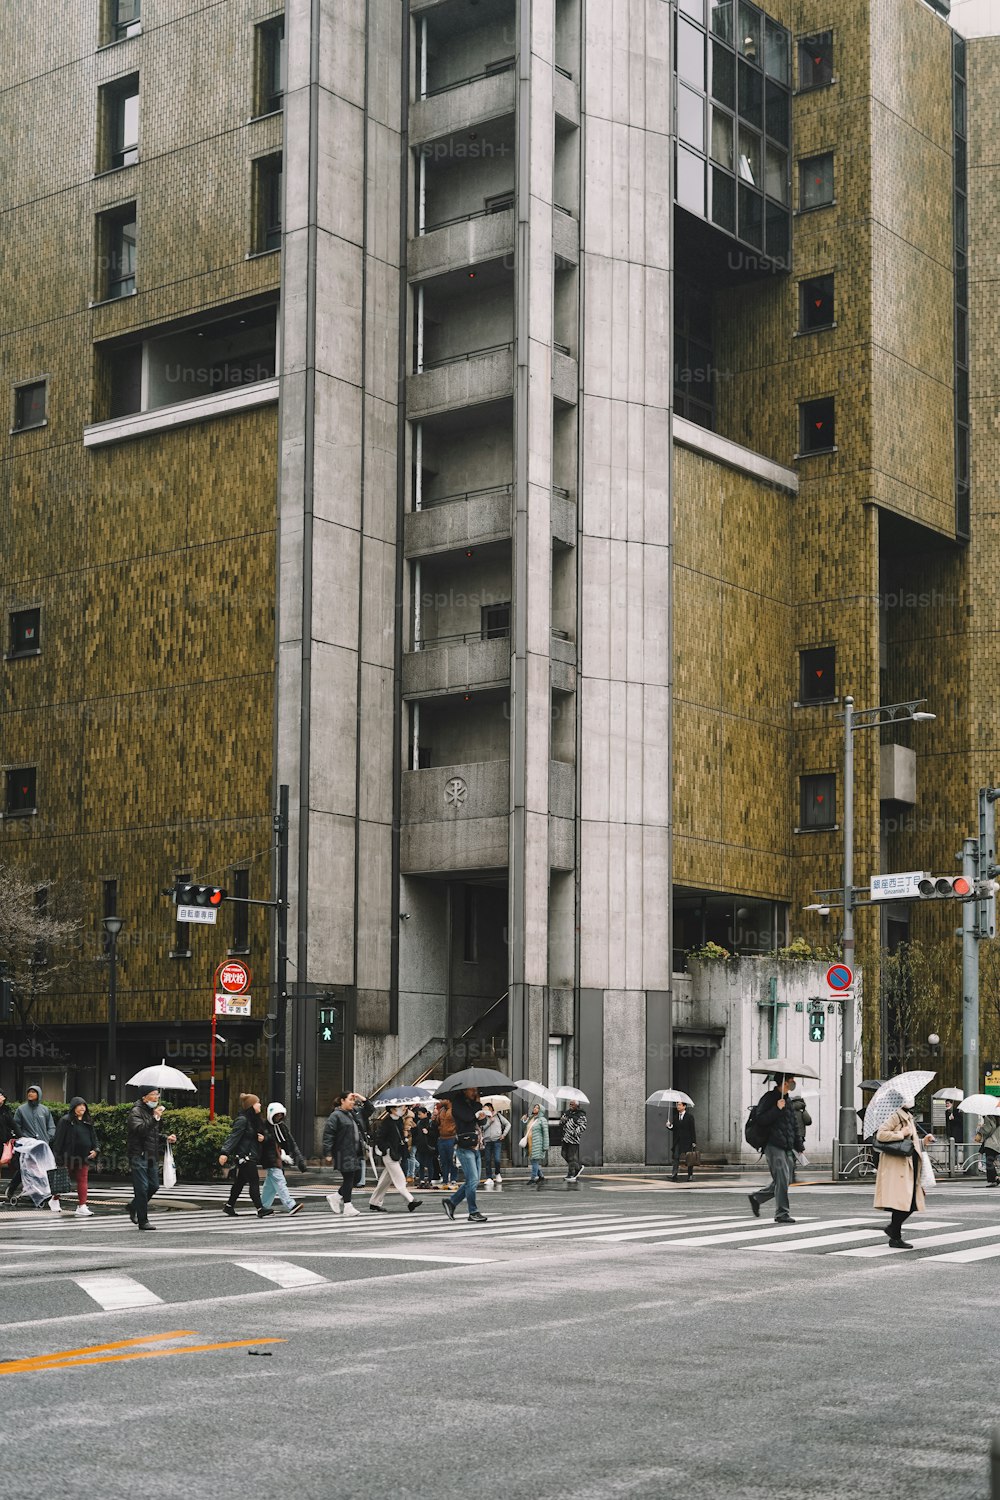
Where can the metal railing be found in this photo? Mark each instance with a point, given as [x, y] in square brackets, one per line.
[951, 1159]
[496, 633]
[475, 213]
[457, 359]
[492, 70]
[429, 1072]
[490, 489]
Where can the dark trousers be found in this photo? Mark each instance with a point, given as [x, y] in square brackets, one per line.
[571, 1156]
[679, 1157]
[246, 1177]
[349, 1182]
[991, 1163]
[425, 1167]
[145, 1182]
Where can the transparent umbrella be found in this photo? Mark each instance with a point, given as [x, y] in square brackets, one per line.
[537, 1091]
[980, 1104]
[162, 1077]
[668, 1096]
[953, 1095]
[571, 1096]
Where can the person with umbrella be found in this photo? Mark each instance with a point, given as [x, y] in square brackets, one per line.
[988, 1135]
[468, 1115]
[574, 1122]
[495, 1132]
[390, 1141]
[897, 1182]
[423, 1145]
[953, 1122]
[535, 1141]
[143, 1145]
[777, 1120]
[682, 1140]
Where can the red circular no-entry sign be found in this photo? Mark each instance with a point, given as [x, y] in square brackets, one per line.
[233, 977]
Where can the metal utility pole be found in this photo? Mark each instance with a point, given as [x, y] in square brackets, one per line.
[847, 1129]
[970, 986]
[277, 1083]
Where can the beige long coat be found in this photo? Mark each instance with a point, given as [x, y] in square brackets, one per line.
[894, 1183]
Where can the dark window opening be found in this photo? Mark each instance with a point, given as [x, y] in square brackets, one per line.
[816, 181]
[424, 758]
[241, 913]
[125, 18]
[120, 124]
[816, 304]
[818, 801]
[267, 203]
[817, 432]
[694, 362]
[271, 55]
[30, 406]
[25, 632]
[20, 794]
[495, 622]
[817, 674]
[470, 926]
[816, 60]
[117, 253]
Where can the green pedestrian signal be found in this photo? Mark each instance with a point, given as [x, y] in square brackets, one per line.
[817, 1026]
[327, 1023]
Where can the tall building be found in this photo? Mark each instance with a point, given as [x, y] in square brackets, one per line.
[513, 426]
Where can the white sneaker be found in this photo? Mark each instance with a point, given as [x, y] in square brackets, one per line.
[55, 1205]
[350, 1212]
[488, 1185]
[499, 1179]
[336, 1203]
[83, 1212]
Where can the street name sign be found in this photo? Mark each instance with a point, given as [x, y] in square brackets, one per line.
[904, 887]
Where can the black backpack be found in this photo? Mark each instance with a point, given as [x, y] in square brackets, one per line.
[754, 1133]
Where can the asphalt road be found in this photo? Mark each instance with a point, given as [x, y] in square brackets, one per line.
[623, 1339]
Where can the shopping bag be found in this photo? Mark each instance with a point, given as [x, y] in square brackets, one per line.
[927, 1178]
[7, 1153]
[169, 1169]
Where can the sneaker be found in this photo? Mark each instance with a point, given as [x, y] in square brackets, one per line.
[83, 1212]
[336, 1203]
[296, 1210]
[413, 1205]
[264, 1213]
[55, 1205]
[784, 1221]
[579, 1172]
[229, 1211]
[350, 1212]
[147, 1225]
[488, 1185]
[477, 1219]
[435, 1182]
[448, 1207]
[754, 1205]
[499, 1179]
[375, 1208]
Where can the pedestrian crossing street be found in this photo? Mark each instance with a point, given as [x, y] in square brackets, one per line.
[430, 1235]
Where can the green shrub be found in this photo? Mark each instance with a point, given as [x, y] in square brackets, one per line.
[199, 1140]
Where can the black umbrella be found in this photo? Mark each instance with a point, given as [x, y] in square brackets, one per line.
[474, 1078]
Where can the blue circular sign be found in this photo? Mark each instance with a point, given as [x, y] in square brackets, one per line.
[840, 977]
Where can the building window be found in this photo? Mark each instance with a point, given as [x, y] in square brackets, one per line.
[25, 627]
[817, 432]
[816, 181]
[818, 801]
[470, 926]
[119, 124]
[694, 373]
[270, 93]
[182, 930]
[241, 913]
[558, 1062]
[117, 253]
[817, 674]
[20, 795]
[495, 622]
[267, 204]
[816, 304]
[124, 19]
[816, 61]
[30, 405]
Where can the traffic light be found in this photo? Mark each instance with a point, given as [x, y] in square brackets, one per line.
[328, 1023]
[817, 1026]
[945, 887]
[199, 895]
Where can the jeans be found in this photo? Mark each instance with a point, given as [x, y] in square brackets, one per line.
[145, 1182]
[780, 1164]
[470, 1172]
[446, 1156]
[275, 1186]
[536, 1170]
[391, 1175]
[491, 1158]
[411, 1164]
[425, 1168]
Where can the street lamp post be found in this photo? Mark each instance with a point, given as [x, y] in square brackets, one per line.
[113, 926]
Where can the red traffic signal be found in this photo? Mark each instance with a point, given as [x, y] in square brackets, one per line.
[943, 886]
[199, 895]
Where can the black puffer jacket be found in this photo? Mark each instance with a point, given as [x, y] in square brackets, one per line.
[75, 1139]
[342, 1139]
[143, 1130]
[781, 1124]
[242, 1139]
[389, 1139]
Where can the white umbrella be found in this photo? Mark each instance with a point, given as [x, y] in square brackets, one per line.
[892, 1096]
[539, 1091]
[430, 1084]
[162, 1077]
[400, 1098]
[572, 1096]
[804, 1094]
[498, 1101]
[785, 1067]
[951, 1094]
[669, 1096]
[980, 1104]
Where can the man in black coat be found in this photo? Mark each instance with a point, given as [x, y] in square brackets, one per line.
[682, 1139]
[776, 1115]
[143, 1135]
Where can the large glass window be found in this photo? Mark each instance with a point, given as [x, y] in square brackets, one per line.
[776, 63]
[816, 181]
[691, 181]
[125, 18]
[722, 138]
[691, 117]
[749, 154]
[816, 60]
[748, 38]
[722, 19]
[690, 53]
[776, 173]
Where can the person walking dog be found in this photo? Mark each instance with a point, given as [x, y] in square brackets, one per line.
[390, 1140]
[682, 1140]
[897, 1182]
[75, 1148]
[776, 1115]
[247, 1144]
[143, 1146]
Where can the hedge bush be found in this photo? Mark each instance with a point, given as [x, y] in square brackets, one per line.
[199, 1140]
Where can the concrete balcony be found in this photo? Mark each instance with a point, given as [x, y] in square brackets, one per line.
[565, 237]
[468, 520]
[566, 97]
[469, 380]
[563, 514]
[470, 241]
[562, 667]
[455, 818]
[562, 815]
[463, 105]
[565, 378]
[456, 664]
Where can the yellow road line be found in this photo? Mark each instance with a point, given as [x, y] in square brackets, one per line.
[30, 1359]
[68, 1362]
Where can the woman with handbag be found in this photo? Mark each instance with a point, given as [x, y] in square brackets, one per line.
[535, 1141]
[898, 1188]
[390, 1143]
[245, 1144]
[75, 1150]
